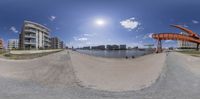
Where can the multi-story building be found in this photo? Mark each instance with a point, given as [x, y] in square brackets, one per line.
[55, 43]
[1, 43]
[34, 36]
[13, 44]
[112, 47]
[86, 48]
[62, 46]
[122, 47]
[186, 44]
[100, 47]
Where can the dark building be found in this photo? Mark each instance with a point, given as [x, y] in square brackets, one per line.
[100, 47]
[109, 47]
[55, 43]
[62, 46]
[122, 47]
[115, 47]
[86, 48]
[112, 47]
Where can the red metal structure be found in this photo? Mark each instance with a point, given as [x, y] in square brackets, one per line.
[191, 37]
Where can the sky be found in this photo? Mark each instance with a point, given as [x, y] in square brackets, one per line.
[94, 22]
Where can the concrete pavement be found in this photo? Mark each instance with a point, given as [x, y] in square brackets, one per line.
[52, 77]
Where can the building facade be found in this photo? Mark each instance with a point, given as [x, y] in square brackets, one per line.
[122, 47]
[34, 36]
[13, 44]
[100, 47]
[186, 44]
[55, 43]
[62, 46]
[112, 47]
[1, 44]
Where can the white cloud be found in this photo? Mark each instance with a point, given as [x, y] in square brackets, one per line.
[130, 23]
[147, 36]
[13, 29]
[88, 35]
[195, 21]
[150, 35]
[184, 25]
[52, 18]
[83, 39]
[80, 39]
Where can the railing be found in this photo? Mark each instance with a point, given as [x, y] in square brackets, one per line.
[30, 36]
[30, 42]
[30, 30]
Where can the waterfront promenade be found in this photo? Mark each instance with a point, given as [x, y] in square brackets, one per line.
[117, 74]
[62, 75]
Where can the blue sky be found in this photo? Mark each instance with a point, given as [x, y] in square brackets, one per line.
[125, 21]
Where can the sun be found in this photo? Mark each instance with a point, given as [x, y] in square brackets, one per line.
[100, 22]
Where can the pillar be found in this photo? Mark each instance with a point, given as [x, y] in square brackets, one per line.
[197, 47]
[159, 46]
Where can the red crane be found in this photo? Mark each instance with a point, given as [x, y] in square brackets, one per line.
[192, 37]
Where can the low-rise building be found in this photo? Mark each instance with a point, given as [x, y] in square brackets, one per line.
[112, 47]
[122, 47]
[62, 46]
[100, 47]
[56, 43]
[186, 44]
[86, 48]
[13, 44]
[109, 47]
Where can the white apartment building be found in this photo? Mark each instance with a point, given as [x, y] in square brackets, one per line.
[34, 36]
[13, 44]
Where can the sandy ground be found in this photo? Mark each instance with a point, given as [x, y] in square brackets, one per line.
[53, 77]
[117, 74]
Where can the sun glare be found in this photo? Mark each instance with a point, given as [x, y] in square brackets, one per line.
[100, 22]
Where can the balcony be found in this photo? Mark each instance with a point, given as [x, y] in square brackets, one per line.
[47, 40]
[46, 36]
[46, 44]
[30, 42]
[30, 36]
[30, 30]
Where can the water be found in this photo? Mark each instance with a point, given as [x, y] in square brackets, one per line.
[115, 53]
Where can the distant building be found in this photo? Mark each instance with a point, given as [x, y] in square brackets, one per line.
[115, 47]
[1, 44]
[100, 47]
[86, 48]
[112, 47]
[186, 44]
[122, 47]
[109, 47]
[13, 44]
[55, 43]
[62, 46]
[34, 36]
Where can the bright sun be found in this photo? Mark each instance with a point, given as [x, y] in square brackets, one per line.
[100, 22]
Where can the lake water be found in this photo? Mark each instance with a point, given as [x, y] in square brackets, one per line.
[115, 53]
